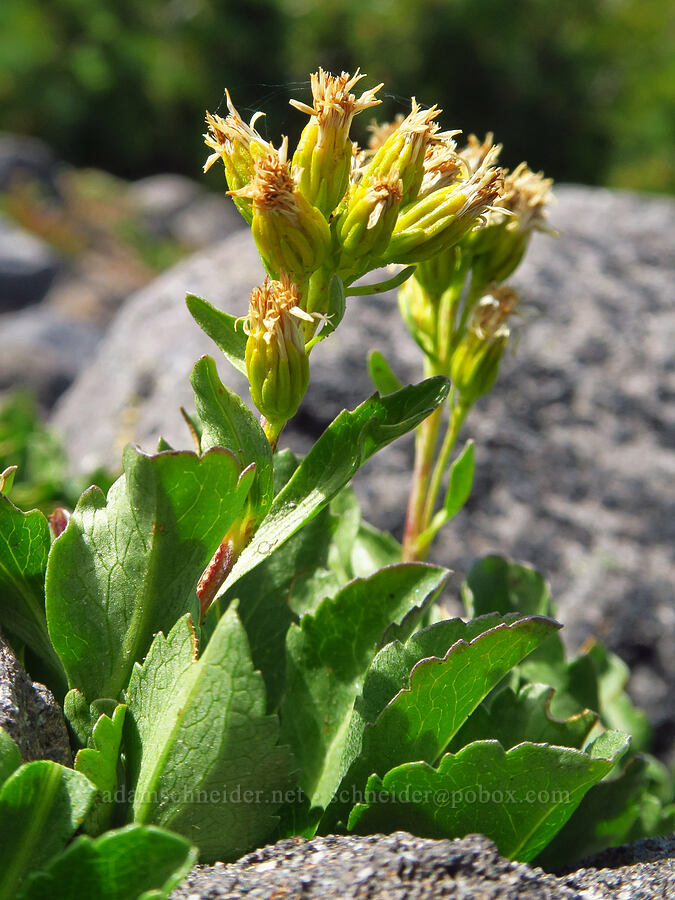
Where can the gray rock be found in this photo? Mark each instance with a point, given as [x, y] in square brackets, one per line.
[402, 867]
[573, 469]
[176, 207]
[44, 350]
[28, 159]
[27, 267]
[29, 713]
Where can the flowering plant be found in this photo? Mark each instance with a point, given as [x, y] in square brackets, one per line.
[239, 655]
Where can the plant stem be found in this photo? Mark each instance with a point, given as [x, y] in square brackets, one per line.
[458, 414]
[426, 436]
[428, 477]
[272, 431]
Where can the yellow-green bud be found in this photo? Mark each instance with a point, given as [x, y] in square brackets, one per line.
[439, 220]
[365, 227]
[291, 235]
[499, 246]
[476, 359]
[276, 362]
[404, 151]
[323, 156]
[238, 145]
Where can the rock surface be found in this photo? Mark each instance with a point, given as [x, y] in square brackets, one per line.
[573, 469]
[402, 867]
[74, 244]
[27, 267]
[29, 713]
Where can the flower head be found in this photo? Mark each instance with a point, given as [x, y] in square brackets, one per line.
[237, 144]
[476, 359]
[499, 247]
[440, 219]
[443, 166]
[474, 151]
[365, 227]
[290, 233]
[276, 361]
[323, 157]
[405, 149]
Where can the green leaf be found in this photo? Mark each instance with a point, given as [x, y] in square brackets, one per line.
[10, 756]
[99, 764]
[373, 549]
[327, 656]
[228, 422]
[128, 566]
[275, 593]
[603, 818]
[460, 482]
[119, 865]
[511, 718]
[421, 720]
[496, 584]
[382, 375]
[575, 682]
[7, 479]
[616, 708]
[350, 440]
[203, 757]
[41, 806]
[390, 670]
[519, 799]
[24, 548]
[222, 328]
[363, 290]
[337, 307]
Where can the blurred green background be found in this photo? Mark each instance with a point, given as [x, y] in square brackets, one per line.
[584, 89]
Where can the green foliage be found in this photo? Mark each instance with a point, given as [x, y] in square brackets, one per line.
[198, 729]
[100, 763]
[138, 555]
[24, 546]
[120, 865]
[342, 449]
[42, 804]
[468, 793]
[244, 656]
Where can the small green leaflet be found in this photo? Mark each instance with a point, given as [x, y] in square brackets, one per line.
[198, 728]
[99, 764]
[496, 584]
[222, 328]
[381, 374]
[228, 422]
